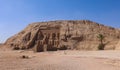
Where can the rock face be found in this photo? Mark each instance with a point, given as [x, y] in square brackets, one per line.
[80, 35]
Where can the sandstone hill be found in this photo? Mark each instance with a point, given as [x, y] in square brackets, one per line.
[74, 34]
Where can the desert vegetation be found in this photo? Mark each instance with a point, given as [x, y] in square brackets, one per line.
[101, 44]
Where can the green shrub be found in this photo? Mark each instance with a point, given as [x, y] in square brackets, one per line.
[101, 46]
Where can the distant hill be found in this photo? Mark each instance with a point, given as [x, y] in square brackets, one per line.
[74, 34]
[1, 44]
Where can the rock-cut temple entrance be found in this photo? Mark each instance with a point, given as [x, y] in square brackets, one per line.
[48, 39]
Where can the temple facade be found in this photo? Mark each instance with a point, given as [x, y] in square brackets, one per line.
[48, 39]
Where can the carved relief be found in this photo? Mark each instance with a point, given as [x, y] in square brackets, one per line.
[47, 39]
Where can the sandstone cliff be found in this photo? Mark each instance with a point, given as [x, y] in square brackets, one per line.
[80, 35]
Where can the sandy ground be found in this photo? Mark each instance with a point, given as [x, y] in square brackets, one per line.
[60, 60]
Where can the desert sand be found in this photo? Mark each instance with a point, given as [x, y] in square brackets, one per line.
[59, 60]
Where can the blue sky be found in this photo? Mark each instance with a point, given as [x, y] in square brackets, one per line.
[15, 15]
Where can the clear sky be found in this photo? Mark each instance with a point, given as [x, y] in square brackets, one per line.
[17, 14]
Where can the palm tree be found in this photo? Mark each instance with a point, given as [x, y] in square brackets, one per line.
[101, 38]
[101, 45]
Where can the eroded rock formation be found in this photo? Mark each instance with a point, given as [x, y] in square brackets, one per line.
[81, 35]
